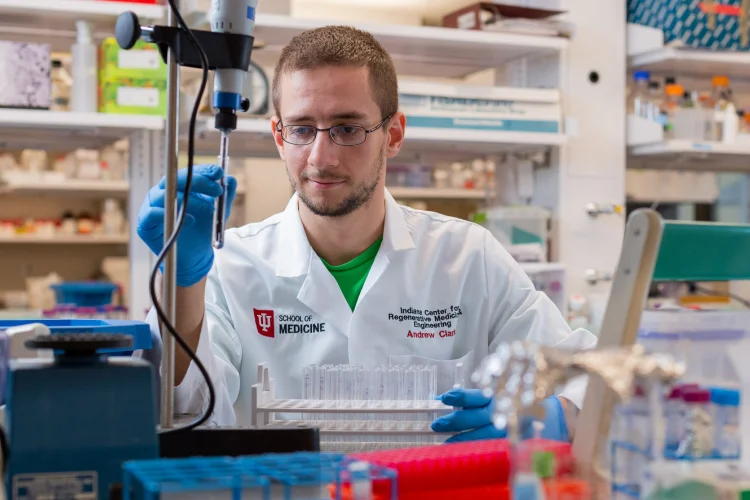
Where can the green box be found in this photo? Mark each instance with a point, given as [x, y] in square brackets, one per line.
[133, 97]
[143, 62]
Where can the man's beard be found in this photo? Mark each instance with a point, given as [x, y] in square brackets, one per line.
[351, 203]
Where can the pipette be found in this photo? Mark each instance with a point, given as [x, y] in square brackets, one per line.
[220, 203]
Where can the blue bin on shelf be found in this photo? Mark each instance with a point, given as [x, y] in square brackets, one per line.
[140, 331]
[84, 293]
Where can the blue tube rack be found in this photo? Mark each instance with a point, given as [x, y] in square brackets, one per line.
[140, 331]
[289, 473]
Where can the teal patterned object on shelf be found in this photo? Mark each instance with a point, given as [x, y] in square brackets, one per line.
[690, 22]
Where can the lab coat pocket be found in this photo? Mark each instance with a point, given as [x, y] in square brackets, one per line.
[449, 371]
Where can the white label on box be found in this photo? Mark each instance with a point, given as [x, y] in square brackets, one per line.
[138, 59]
[144, 98]
[79, 485]
[467, 21]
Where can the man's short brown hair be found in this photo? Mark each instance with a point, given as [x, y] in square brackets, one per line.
[341, 46]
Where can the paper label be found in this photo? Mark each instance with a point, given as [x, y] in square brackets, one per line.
[138, 59]
[80, 485]
[140, 97]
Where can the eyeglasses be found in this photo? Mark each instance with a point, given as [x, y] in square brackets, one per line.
[343, 135]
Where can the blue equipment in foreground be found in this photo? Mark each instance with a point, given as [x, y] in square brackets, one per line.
[138, 330]
[72, 421]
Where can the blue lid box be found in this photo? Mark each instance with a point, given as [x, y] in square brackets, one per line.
[140, 331]
[84, 293]
[700, 24]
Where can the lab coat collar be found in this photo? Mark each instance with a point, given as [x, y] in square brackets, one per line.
[295, 251]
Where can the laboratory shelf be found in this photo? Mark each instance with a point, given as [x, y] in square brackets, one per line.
[69, 187]
[684, 154]
[53, 21]
[76, 239]
[75, 188]
[25, 128]
[416, 50]
[693, 62]
[253, 138]
[74, 10]
[415, 193]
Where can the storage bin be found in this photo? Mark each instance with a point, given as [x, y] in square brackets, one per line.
[84, 293]
[522, 230]
[690, 22]
[701, 339]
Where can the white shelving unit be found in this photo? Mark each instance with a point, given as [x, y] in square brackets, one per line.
[54, 20]
[408, 193]
[693, 62]
[253, 137]
[416, 50]
[70, 187]
[20, 128]
[78, 239]
[683, 154]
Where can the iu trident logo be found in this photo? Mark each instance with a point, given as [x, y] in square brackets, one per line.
[264, 322]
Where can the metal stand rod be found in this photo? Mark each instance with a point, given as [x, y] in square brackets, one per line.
[170, 212]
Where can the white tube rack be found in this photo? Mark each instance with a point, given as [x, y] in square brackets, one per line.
[264, 405]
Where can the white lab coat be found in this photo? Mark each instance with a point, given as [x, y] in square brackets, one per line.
[440, 290]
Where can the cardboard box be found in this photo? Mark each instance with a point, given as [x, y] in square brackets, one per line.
[482, 14]
[143, 62]
[133, 96]
[25, 70]
[704, 24]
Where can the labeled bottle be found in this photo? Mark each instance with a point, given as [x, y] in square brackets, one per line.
[673, 102]
[84, 96]
[639, 101]
[61, 84]
[721, 96]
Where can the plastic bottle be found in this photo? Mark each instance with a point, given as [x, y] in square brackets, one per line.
[673, 412]
[639, 101]
[84, 96]
[655, 97]
[672, 103]
[730, 125]
[721, 97]
[726, 414]
[698, 430]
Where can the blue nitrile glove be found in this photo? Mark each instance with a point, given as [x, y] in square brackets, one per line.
[473, 421]
[195, 254]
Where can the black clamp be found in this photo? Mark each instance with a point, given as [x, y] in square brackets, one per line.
[223, 50]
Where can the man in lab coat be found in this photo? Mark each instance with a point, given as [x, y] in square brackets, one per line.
[345, 274]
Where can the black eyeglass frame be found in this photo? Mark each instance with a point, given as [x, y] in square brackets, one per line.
[279, 128]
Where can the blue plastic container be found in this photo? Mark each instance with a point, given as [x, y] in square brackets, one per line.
[287, 475]
[726, 415]
[140, 331]
[84, 293]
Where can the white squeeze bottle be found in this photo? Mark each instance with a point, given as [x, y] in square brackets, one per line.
[84, 95]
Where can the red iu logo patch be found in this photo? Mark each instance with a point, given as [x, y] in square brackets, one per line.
[264, 322]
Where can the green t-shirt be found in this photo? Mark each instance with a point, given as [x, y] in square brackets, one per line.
[352, 275]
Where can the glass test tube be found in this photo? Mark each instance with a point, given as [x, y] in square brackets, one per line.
[307, 387]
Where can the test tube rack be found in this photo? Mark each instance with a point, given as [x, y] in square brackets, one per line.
[323, 415]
